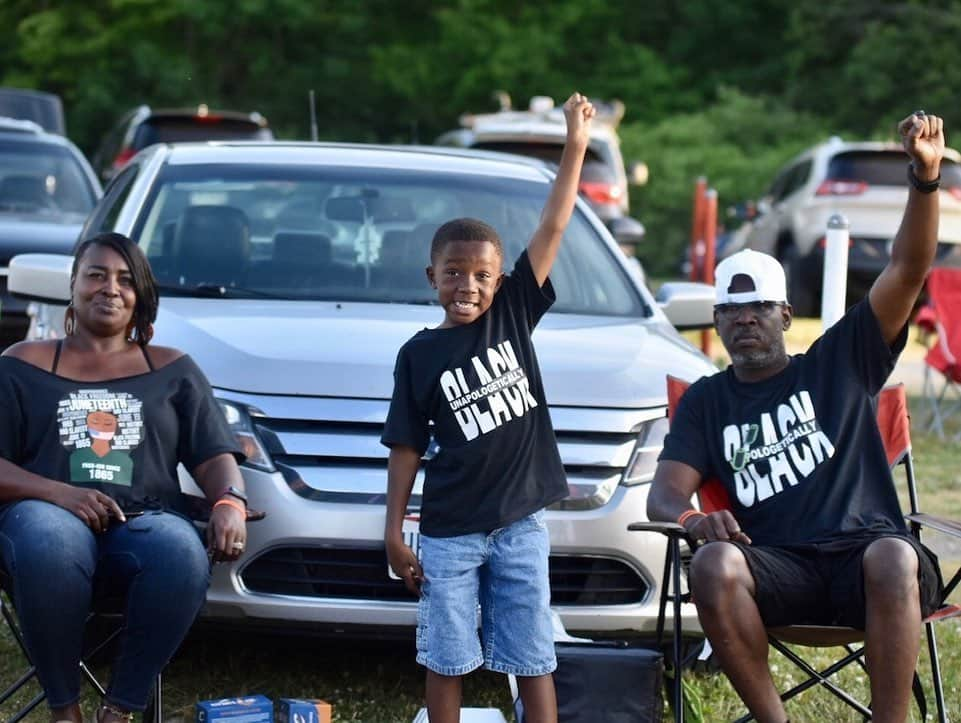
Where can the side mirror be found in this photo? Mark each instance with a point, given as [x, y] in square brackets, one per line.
[638, 173]
[626, 230]
[40, 277]
[687, 304]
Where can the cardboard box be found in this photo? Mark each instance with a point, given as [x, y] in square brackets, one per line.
[249, 709]
[296, 710]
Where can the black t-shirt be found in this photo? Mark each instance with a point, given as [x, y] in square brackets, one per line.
[122, 436]
[479, 383]
[800, 453]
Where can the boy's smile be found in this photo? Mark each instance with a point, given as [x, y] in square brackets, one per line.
[466, 275]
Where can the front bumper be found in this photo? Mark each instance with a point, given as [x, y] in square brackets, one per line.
[240, 593]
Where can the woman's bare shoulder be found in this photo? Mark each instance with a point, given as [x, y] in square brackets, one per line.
[38, 353]
[161, 356]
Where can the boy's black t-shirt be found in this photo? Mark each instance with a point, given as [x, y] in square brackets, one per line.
[123, 436]
[800, 453]
[496, 459]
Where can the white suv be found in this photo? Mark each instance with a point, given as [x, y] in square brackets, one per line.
[540, 132]
[866, 182]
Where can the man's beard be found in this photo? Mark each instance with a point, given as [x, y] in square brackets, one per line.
[759, 358]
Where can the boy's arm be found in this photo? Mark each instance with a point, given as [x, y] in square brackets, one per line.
[402, 465]
[543, 246]
[894, 292]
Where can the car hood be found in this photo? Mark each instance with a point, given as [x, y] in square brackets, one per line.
[345, 349]
[29, 234]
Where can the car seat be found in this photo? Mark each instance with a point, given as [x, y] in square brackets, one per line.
[212, 245]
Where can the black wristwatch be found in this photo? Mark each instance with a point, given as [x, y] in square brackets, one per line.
[923, 186]
[235, 492]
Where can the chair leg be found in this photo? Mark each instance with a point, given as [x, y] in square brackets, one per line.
[936, 672]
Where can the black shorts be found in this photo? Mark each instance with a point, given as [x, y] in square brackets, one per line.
[823, 584]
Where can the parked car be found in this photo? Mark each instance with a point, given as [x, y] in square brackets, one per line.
[47, 188]
[866, 182]
[144, 126]
[293, 273]
[44, 109]
[540, 132]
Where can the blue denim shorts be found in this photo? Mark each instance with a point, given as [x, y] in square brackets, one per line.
[506, 573]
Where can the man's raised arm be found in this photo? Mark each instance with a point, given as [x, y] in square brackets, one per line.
[894, 292]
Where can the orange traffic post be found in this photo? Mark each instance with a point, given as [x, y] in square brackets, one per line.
[697, 230]
[710, 242]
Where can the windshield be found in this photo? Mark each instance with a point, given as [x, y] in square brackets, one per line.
[162, 129]
[352, 234]
[46, 181]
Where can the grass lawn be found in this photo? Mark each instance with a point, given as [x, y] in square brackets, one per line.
[378, 682]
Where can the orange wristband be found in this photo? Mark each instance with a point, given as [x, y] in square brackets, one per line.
[688, 514]
[232, 503]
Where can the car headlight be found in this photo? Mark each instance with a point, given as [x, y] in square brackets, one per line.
[650, 442]
[238, 417]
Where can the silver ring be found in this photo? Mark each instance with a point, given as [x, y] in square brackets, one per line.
[919, 113]
[238, 546]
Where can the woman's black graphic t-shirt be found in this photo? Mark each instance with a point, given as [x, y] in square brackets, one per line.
[122, 436]
[496, 459]
[800, 453]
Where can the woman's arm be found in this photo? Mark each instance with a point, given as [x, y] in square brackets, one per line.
[227, 529]
[93, 507]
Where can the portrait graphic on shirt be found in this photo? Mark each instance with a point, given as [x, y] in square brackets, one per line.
[101, 427]
[779, 450]
[503, 393]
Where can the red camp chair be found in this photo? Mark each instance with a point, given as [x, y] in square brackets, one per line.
[941, 318]
[894, 423]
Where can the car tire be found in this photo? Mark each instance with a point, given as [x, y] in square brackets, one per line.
[800, 293]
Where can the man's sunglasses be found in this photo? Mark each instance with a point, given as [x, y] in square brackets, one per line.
[756, 308]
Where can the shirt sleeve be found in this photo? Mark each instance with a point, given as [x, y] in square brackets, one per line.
[406, 423]
[523, 291]
[685, 441]
[11, 425]
[204, 432]
[856, 342]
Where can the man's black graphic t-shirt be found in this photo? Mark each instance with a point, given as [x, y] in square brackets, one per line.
[800, 453]
[122, 436]
[480, 385]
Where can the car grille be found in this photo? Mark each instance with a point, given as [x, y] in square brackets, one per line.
[361, 574]
[329, 450]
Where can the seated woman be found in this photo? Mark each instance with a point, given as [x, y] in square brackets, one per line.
[93, 428]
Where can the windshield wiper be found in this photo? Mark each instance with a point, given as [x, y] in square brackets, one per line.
[210, 290]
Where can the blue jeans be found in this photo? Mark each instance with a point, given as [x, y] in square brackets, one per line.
[506, 573]
[157, 562]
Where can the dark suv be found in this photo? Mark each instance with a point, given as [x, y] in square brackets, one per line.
[143, 126]
[47, 188]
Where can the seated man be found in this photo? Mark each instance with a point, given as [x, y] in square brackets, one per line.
[815, 534]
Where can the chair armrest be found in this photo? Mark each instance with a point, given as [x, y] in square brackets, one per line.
[941, 524]
[665, 528]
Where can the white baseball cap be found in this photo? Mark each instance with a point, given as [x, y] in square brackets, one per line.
[763, 272]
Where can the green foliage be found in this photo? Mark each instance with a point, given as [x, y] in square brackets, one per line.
[738, 143]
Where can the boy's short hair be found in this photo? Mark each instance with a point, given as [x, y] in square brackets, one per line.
[464, 229]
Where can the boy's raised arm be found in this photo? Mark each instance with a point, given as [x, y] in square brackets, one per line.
[543, 246]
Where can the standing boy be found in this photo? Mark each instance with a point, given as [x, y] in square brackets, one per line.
[497, 467]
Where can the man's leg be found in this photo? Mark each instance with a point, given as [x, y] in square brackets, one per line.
[724, 590]
[537, 694]
[893, 625]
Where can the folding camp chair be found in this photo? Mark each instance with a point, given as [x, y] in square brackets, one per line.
[941, 318]
[893, 421]
[107, 614]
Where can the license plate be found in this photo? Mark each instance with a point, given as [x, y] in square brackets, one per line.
[410, 529]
